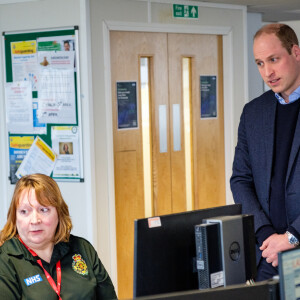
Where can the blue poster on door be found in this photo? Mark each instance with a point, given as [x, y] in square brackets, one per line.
[127, 105]
[208, 89]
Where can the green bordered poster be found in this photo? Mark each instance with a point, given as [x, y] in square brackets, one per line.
[42, 100]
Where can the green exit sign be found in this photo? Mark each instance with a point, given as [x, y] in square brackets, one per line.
[185, 11]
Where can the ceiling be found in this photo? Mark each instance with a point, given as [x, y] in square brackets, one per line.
[272, 10]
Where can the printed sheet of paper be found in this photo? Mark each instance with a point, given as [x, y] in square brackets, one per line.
[56, 43]
[24, 62]
[21, 110]
[39, 159]
[38, 127]
[18, 99]
[65, 142]
[56, 88]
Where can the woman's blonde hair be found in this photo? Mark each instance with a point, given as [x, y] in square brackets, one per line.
[47, 194]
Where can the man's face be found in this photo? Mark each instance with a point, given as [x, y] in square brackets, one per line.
[67, 46]
[279, 69]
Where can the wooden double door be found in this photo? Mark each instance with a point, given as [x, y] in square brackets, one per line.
[169, 157]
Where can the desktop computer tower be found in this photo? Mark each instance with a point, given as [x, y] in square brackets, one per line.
[236, 240]
[209, 256]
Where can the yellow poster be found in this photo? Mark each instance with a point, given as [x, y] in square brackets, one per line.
[25, 47]
[39, 159]
[46, 149]
[21, 142]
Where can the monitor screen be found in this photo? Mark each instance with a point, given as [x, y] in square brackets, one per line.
[289, 274]
[165, 250]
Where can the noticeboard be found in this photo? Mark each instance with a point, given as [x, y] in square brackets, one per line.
[42, 103]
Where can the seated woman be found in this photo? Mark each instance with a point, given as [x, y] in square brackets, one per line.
[39, 258]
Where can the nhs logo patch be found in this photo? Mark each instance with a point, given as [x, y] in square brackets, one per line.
[34, 279]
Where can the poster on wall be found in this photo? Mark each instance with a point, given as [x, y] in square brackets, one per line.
[127, 105]
[56, 43]
[39, 159]
[56, 85]
[24, 62]
[21, 109]
[57, 97]
[18, 99]
[208, 88]
[65, 142]
[18, 148]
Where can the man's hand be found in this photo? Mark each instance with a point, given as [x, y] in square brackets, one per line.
[274, 244]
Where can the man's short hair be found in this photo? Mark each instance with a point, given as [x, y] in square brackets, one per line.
[285, 34]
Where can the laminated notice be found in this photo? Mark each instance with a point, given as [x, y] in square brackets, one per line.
[154, 222]
[217, 279]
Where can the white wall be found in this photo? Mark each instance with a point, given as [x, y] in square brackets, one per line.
[254, 22]
[44, 15]
[92, 202]
[296, 26]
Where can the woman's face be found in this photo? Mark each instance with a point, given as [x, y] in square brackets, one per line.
[36, 224]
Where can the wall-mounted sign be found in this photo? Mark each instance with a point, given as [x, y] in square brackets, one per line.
[127, 105]
[208, 89]
[185, 11]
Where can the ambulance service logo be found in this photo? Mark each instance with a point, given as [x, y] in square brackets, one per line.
[79, 265]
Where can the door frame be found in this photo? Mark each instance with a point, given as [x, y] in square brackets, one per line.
[229, 133]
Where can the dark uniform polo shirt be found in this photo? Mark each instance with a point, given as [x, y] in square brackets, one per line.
[83, 275]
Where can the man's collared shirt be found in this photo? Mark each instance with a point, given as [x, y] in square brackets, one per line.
[295, 95]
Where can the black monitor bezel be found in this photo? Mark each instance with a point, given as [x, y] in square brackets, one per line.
[159, 265]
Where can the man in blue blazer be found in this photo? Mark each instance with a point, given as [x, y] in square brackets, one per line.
[266, 167]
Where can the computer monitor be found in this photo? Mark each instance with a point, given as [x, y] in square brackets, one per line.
[289, 273]
[266, 290]
[165, 250]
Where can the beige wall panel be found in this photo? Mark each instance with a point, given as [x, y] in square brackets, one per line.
[208, 134]
[126, 50]
[128, 208]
